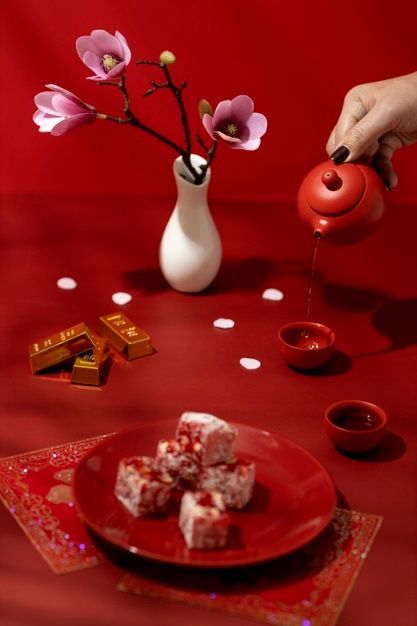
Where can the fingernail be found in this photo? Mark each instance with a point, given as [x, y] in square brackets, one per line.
[387, 184]
[340, 155]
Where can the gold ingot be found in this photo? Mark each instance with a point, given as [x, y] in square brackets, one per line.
[88, 368]
[124, 336]
[60, 347]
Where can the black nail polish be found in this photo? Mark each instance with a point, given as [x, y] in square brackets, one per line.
[340, 155]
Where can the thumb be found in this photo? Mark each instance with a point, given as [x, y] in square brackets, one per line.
[362, 139]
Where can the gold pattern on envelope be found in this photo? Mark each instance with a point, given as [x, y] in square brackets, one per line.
[60, 494]
[44, 509]
[326, 570]
[65, 476]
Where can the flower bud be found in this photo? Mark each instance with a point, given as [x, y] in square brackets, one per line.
[167, 57]
[204, 106]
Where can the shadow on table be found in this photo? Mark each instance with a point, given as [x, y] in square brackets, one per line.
[245, 274]
[339, 364]
[394, 318]
[341, 500]
[147, 279]
[391, 448]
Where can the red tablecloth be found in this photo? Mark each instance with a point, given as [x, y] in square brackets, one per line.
[365, 292]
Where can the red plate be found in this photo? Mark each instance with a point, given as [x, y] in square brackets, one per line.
[294, 499]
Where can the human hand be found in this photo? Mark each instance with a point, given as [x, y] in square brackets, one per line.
[376, 119]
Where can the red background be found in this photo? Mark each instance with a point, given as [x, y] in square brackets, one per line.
[295, 59]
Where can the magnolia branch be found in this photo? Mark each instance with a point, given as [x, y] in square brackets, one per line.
[177, 93]
[131, 119]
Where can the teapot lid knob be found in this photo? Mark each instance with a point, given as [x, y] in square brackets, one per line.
[331, 180]
[331, 189]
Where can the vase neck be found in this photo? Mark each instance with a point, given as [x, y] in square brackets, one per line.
[190, 194]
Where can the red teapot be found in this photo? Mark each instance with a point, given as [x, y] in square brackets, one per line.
[344, 203]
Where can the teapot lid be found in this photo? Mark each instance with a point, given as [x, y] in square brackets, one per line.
[332, 189]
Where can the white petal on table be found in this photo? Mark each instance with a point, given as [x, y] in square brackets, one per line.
[272, 294]
[250, 364]
[66, 283]
[121, 297]
[223, 322]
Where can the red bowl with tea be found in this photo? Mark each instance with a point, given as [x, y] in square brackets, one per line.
[306, 345]
[355, 425]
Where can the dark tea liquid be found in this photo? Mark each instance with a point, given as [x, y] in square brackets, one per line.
[355, 421]
[316, 240]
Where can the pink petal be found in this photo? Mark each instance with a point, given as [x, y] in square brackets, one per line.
[70, 96]
[43, 101]
[93, 62]
[227, 138]
[106, 43]
[54, 87]
[257, 124]
[38, 117]
[223, 112]
[72, 122]
[207, 122]
[65, 106]
[45, 122]
[64, 92]
[85, 44]
[241, 108]
[126, 55]
[252, 144]
[116, 71]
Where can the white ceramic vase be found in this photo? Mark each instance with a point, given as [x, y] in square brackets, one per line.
[190, 252]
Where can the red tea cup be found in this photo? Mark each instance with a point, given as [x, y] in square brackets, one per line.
[355, 425]
[306, 345]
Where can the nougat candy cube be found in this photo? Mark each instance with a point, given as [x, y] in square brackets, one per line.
[142, 487]
[235, 481]
[206, 436]
[203, 520]
[174, 459]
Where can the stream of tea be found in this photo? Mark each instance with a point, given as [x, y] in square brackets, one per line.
[316, 241]
[307, 341]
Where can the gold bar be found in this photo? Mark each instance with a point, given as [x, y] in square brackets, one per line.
[88, 368]
[60, 347]
[125, 336]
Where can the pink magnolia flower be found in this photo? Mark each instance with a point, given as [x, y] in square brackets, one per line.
[60, 110]
[106, 55]
[235, 123]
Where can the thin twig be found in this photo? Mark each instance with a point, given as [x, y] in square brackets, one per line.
[210, 156]
[202, 144]
[108, 82]
[126, 109]
[144, 62]
[177, 93]
[131, 119]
